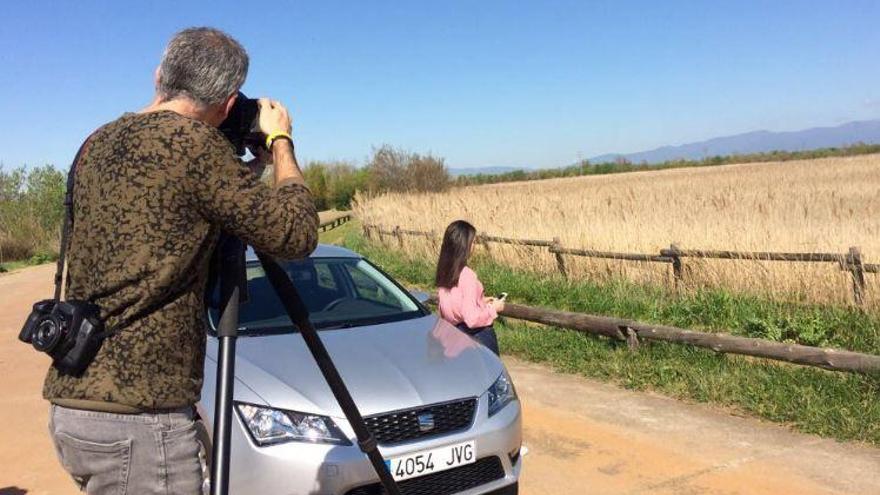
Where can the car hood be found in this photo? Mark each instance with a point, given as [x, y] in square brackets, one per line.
[386, 367]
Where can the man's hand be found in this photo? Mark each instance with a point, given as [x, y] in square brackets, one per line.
[273, 117]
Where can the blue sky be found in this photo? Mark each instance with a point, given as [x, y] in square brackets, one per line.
[488, 83]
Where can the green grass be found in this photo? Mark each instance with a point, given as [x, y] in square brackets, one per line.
[337, 235]
[37, 259]
[13, 265]
[840, 405]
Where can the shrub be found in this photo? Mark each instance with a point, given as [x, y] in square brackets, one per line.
[31, 210]
[396, 170]
[333, 184]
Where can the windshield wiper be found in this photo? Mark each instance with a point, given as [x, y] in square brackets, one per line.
[337, 326]
[272, 330]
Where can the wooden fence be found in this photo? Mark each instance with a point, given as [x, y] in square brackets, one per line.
[674, 256]
[334, 222]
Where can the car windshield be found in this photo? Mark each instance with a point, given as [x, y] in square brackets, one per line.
[338, 292]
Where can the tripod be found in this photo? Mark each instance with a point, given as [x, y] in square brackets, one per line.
[230, 267]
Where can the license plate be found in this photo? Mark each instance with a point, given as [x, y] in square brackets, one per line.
[431, 461]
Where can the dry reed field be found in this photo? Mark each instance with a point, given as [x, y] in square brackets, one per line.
[822, 205]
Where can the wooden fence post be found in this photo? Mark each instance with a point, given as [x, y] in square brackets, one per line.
[399, 237]
[857, 269]
[560, 262]
[632, 338]
[676, 266]
[434, 239]
[367, 233]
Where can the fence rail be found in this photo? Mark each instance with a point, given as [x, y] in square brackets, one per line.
[507, 240]
[674, 256]
[334, 222]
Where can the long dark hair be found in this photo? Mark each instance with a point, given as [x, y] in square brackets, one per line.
[454, 253]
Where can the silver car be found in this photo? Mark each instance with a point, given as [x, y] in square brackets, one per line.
[442, 406]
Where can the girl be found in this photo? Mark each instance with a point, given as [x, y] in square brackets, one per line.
[460, 292]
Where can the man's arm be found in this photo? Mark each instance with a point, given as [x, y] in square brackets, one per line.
[286, 167]
[275, 118]
[280, 221]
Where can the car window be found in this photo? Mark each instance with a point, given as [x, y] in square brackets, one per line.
[367, 288]
[338, 292]
[325, 277]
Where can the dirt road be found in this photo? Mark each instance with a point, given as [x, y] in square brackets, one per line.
[584, 437]
[27, 460]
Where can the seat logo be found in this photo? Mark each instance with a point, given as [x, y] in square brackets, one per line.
[426, 422]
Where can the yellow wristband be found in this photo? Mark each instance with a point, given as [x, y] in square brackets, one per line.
[270, 139]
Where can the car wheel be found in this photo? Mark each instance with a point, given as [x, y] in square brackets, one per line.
[205, 452]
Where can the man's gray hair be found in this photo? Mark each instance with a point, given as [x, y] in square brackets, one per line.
[202, 64]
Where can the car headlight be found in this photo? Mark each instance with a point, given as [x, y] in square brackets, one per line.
[269, 426]
[501, 393]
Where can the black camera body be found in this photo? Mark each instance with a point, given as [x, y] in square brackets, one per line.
[242, 127]
[71, 332]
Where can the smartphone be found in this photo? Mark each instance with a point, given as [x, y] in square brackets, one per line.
[502, 296]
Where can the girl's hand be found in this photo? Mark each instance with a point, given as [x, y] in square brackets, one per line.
[498, 304]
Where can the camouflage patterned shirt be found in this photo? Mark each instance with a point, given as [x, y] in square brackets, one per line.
[152, 193]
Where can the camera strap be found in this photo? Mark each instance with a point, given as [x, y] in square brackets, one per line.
[68, 218]
[299, 315]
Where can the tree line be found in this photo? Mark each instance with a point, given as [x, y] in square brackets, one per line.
[622, 165]
[31, 210]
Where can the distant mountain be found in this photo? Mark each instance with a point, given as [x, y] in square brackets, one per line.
[867, 132]
[482, 170]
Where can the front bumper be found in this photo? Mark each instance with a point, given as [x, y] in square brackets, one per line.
[318, 469]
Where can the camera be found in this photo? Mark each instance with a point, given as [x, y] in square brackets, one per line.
[242, 126]
[68, 331]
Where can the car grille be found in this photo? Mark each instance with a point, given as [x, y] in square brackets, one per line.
[402, 426]
[454, 480]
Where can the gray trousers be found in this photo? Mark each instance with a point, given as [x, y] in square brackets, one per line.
[118, 454]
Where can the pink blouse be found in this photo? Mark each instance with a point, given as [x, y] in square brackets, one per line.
[464, 302]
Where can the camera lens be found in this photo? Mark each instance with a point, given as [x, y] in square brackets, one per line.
[47, 335]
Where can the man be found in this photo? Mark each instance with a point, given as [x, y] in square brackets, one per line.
[153, 190]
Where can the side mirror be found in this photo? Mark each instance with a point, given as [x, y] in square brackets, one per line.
[420, 296]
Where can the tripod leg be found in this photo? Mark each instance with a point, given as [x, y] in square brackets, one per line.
[223, 416]
[232, 280]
